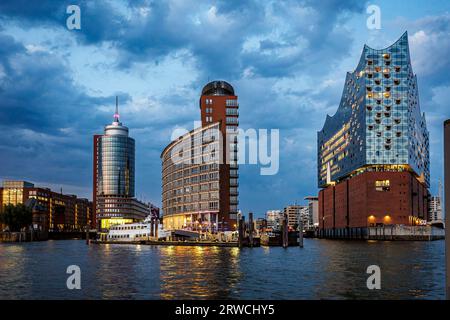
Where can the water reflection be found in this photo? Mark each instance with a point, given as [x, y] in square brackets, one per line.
[210, 272]
[321, 270]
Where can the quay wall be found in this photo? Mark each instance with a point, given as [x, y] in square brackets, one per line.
[23, 236]
[394, 232]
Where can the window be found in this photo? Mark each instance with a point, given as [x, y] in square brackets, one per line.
[213, 205]
[231, 103]
[232, 111]
[232, 120]
[382, 185]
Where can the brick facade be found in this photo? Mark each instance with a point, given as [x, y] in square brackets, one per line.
[358, 201]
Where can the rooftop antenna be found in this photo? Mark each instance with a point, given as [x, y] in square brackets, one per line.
[116, 114]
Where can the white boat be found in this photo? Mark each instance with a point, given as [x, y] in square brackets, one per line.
[136, 231]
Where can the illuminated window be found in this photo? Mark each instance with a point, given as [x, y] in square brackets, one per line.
[382, 185]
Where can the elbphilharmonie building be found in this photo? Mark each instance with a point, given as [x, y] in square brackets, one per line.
[373, 153]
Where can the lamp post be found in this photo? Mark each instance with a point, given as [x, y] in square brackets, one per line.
[447, 203]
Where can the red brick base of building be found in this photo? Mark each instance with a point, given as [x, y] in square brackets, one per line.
[373, 199]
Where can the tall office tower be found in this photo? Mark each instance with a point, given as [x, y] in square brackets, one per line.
[200, 188]
[114, 172]
[373, 154]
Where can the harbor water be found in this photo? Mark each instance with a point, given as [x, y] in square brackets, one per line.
[323, 269]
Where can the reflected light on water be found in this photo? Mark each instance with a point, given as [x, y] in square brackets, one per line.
[325, 269]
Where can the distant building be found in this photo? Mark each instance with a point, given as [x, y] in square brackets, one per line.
[373, 153]
[313, 211]
[436, 208]
[294, 212]
[114, 177]
[274, 219]
[52, 211]
[305, 217]
[260, 224]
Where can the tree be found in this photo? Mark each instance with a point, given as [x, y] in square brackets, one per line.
[16, 216]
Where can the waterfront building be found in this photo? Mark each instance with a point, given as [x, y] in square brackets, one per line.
[313, 211]
[373, 154]
[114, 177]
[52, 211]
[260, 224]
[305, 217]
[274, 219]
[435, 208]
[294, 213]
[200, 169]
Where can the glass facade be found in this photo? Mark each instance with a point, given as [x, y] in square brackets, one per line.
[114, 178]
[116, 166]
[378, 124]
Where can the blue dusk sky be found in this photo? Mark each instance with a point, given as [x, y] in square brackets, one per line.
[287, 61]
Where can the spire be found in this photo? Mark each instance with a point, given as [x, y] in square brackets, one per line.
[116, 114]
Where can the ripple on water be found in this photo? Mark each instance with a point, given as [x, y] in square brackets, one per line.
[323, 269]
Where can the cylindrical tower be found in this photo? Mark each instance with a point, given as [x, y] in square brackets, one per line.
[116, 161]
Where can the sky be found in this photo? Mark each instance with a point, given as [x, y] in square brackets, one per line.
[286, 60]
